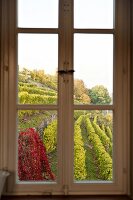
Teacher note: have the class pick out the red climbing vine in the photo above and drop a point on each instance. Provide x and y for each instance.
(32, 158)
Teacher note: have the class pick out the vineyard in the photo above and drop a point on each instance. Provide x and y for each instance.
(92, 151)
(92, 134)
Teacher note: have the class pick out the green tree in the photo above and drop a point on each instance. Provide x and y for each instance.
(99, 95)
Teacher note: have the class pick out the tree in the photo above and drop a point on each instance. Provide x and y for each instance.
(80, 91)
(99, 95)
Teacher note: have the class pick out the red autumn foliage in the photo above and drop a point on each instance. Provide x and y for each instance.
(32, 159)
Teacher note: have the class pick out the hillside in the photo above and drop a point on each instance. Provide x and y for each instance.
(92, 129)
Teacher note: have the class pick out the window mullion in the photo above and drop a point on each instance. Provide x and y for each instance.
(65, 86)
(63, 98)
(37, 30)
(68, 12)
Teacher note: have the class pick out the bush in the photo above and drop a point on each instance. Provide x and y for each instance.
(26, 98)
(103, 158)
(79, 154)
(32, 159)
(36, 90)
(103, 137)
(109, 132)
(50, 136)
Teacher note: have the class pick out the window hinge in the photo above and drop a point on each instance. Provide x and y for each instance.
(124, 170)
(65, 189)
(6, 68)
(47, 193)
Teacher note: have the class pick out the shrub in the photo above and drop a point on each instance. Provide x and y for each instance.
(79, 154)
(103, 158)
(109, 132)
(36, 90)
(32, 159)
(50, 136)
(25, 97)
(103, 137)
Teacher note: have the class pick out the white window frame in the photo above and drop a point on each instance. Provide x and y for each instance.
(121, 107)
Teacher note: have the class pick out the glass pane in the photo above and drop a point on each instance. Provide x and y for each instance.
(38, 64)
(37, 145)
(93, 14)
(93, 64)
(93, 146)
(38, 13)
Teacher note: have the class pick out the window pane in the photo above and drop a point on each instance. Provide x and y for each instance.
(37, 145)
(93, 146)
(38, 63)
(38, 13)
(93, 13)
(93, 63)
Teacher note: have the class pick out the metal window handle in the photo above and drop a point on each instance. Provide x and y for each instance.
(62, 71)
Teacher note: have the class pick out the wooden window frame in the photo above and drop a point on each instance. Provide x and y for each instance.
(121, 98)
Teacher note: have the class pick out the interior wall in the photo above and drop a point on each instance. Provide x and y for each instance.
(131, 92)
(0, 79)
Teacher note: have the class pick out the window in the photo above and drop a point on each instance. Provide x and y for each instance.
(65, 98)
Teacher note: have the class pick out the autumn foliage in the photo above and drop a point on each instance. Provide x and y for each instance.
(32, 159)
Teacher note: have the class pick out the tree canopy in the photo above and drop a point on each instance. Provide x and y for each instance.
(80, 91)
(99, 95)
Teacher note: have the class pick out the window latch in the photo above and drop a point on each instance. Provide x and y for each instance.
(62, 71)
